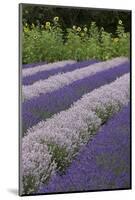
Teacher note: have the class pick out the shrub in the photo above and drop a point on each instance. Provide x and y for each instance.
(50, 43)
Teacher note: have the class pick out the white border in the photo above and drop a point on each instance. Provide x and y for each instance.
(9, 98)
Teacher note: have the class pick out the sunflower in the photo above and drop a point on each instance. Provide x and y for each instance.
(78, 29)
(56, 19)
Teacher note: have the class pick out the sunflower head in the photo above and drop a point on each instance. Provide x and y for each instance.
(78, 29)
(56, 19)
(48, 24)
(120, 22)
(85, 29)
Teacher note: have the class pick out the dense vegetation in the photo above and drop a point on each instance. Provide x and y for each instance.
(55, 33)
(69, 16)
(50, 43)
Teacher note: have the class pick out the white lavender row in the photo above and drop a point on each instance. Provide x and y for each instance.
(95, 166)
(67, 131)
(46, 105)
(37, 165)
(42, 75)
(45, 67)
(102, 101)
(60, 80)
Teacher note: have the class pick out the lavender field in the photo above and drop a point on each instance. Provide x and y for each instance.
(75, 126)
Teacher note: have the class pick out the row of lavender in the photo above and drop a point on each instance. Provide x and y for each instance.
(104, 163)
(62, 79)
(44, 106)
(52, 143)
(40, 73)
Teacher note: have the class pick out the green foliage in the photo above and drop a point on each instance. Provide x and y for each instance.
(50, 43)
(72, 15)
(105, 113)
(59, 155)
(29, 184)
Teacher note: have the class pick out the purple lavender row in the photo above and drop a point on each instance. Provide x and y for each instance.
(44, 106)
(60, 80)
(104, 163)
(28, 80)
(24, 66)
(33, 70)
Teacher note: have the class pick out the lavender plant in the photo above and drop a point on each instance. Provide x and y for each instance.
(58, 81)
(46, 67)
(47, 71)
(44, 106)
(37, 166)
(70, 129)
(104, 163)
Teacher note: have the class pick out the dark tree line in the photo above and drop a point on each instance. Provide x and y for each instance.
(70, 16)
